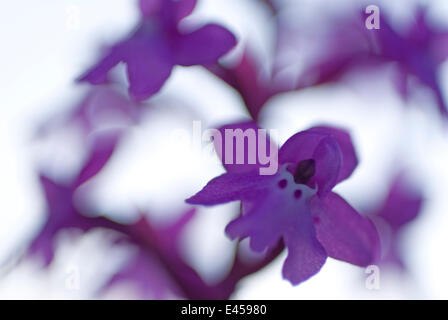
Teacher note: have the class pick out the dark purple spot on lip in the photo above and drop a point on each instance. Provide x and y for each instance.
(282, 184)
(297, 194)
(305, 171)
(316, 219)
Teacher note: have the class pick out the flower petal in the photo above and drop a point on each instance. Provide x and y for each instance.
(305, 254)
(170, 12)
(343, 232)
(102, 149)
(149, 275)
(183, 8)
(403, 204)
(279, 216)
(441, 43)
(260, 223)
(98, 74)
(250, 138)
(149, 8)
(60, 210)
(204, 46)
(230, 187)
(349, 159)
(245, 78)
(149, 65)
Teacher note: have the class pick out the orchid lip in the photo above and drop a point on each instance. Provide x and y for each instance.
(287, 182)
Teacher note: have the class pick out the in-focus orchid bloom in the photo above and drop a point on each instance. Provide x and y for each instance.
(402, 205)
(296, 206)
(157, 45)
(416, 52)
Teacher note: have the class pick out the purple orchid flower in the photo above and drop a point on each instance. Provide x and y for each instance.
(149, 275)
(103, 107)
(245, 78)
(296, 206)
(417, 52)
(159, 267)
(153, 268)
(254, 86)
(160, 270)
(402, 205)
(157, 45)
(62, 212)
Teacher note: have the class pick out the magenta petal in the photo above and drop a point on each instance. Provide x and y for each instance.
(98, 74)
(261, 223)
(245, 78)
(328, 163)
(323, 149)
(60, 211)
(343, 232)
(170, 11)
(99, 103)
(183, 8)
(42, 246)
(274, 217)
(148, 269)
(306, 256)
(349, 159)
(156, 45)
(148, 60)
(204, 46)
(230, 187)
(441, 43)
(149, 274)
(149, 8)
(149, 65)
(168, 237)
(102, 149)
(403, 204)
(165, 243)
(252, 131)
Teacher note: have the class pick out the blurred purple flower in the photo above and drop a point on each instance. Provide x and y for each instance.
(103, 107)
(149, 276)
(402, 205)
(62, 212)
(157, 45)
(296, 205)
(416, 52)
(158, 268)
(245, 77)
